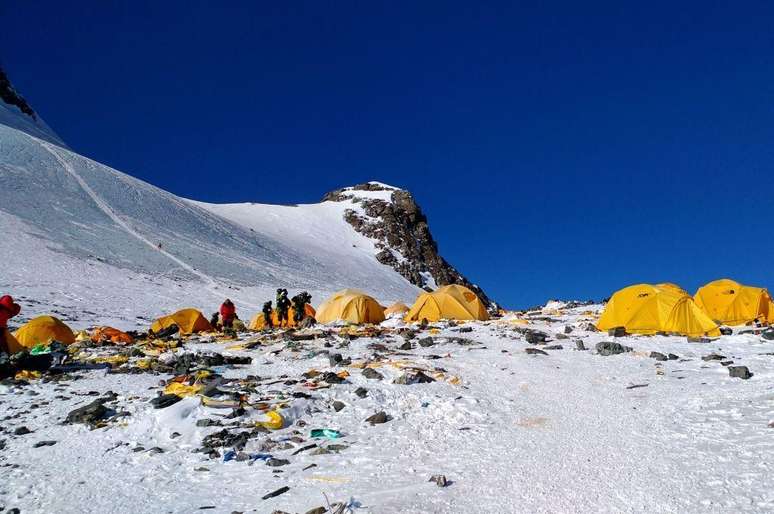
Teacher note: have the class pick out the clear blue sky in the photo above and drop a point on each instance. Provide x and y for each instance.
(559, 149)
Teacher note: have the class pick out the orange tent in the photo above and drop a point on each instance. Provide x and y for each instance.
(110, 335)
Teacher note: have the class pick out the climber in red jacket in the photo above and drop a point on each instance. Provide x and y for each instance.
(8, 309)
(227, 313)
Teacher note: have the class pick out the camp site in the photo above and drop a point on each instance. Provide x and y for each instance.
(386, 257)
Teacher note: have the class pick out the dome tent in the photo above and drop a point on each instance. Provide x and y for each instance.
(44, 330)
(352, 306)
(649, 309)
(397, 308)
(448, 302)
(187, 320)
(729, 302)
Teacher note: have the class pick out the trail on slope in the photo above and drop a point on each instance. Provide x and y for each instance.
(209, 282)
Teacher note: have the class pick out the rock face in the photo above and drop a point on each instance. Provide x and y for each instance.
(400, 231)
(9, 95)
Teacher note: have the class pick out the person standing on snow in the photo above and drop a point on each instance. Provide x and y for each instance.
(8, 309)
(283, 304)
(267, 315)
(299, 306)
(227, 314)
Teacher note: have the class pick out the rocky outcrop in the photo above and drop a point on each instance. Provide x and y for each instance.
(9, 95)
(400, 231)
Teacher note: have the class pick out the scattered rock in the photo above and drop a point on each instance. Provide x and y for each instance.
(164, 401)
(413, 378)
(580, 346)
(277, 462)
(617, 332)
(22, 431)
(426, 341)
(331, 378)
(279, 491)
(535, 337)
(334, 359)
(534, 351)
(672, 357)
(88, 414)
(739, 372)
(554, 347)
(726, 363)
(40, 444)
(318, 510)
(405, 346)
(372, 374)
(726, 331)
(362, 392)
(378, 418)
(713, 357)
(658, 356)
(337, 405)
(568, 329)
(609, 348)
(440, 480)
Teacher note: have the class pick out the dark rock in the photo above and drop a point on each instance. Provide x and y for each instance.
(372, 374)
(207, 422)
(672, 357)
(405, 346)
(40, 444)
(337, 405)
(568, 329)
(713, 357)
(88, 414)
(768, 334)
(224, 438)
(332, 378)
(561, 336)
(279, 491)
(698, 339)
(164, 401)
(413, 378)
(535, 337)
(726, 363)
(534, 351)
(440, 480)
(609, 348)
(580, 346)
(617, 332)
(554, 347)
(658, 356)
(320, 451)
(156, 450)
(277, 462)
(590, 327)
(318, 510)
(465, 330)
(426, 341)
(362, 392)
(378, 418)
(334, 359)
(336, 447)
(726, 331)
(739, 372)
(22, 431)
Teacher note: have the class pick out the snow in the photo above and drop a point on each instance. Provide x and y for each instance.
(144, 251)
(563, 432)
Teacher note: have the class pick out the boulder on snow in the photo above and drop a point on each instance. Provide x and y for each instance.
(739, 372)
(658, 356)
(88, 414)
(609, 348)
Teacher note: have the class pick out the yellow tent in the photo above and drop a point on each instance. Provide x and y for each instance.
(396, 308)
(258, 322)
(43, 330)
(352, 306)
(732, 303)
(10, 342)
(648, 309)
(448, 302)
(674, 287)
(188, 320)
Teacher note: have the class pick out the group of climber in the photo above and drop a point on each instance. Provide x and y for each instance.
(283, 306)
(227, 316)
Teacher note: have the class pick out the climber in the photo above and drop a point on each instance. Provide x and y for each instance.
(299, 306)
(8, 309)
(227, 313)
(283, 304)
(267, 315)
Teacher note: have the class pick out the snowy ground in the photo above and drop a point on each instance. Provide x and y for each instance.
(563, 432)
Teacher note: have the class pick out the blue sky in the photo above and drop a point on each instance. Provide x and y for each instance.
(559, 149)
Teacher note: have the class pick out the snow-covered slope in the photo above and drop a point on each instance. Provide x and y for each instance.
(88, 239)
(64, 211)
